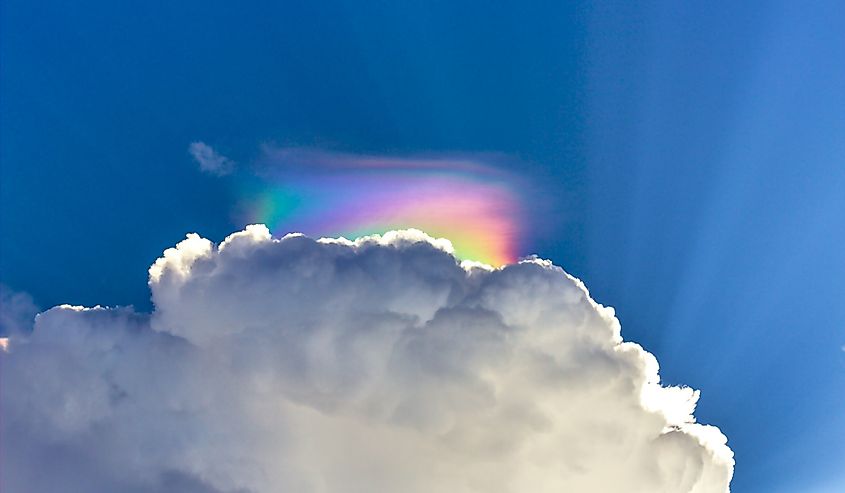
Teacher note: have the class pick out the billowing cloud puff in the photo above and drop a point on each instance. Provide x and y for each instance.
(375, 365)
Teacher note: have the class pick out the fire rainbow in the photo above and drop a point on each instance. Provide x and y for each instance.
(474, 205)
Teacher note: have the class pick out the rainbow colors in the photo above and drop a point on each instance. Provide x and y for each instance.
(474, 205)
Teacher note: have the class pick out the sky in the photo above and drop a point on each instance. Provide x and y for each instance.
(685, 162)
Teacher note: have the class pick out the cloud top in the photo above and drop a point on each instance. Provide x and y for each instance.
(209, 160)
(381, 364)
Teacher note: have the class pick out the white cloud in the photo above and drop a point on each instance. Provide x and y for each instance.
(376, 365)
(210, 161)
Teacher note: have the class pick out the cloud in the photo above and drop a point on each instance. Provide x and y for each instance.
(210, 161)
(477, 200)
(17, 311)
(375, 365)
(299, 160)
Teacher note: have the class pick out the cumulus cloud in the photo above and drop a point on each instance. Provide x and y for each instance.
(375, 365)
(210, 161)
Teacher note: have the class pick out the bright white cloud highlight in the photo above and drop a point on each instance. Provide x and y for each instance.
(332, 366)
(210, 161)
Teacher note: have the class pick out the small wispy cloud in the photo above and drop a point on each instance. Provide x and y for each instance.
(17, 312)
(210, 161)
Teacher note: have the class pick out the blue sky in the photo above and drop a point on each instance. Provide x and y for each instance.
(696, 156)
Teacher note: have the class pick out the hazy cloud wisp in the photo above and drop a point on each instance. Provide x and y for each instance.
(210, 161)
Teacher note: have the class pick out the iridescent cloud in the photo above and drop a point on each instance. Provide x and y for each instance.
(467, 199)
